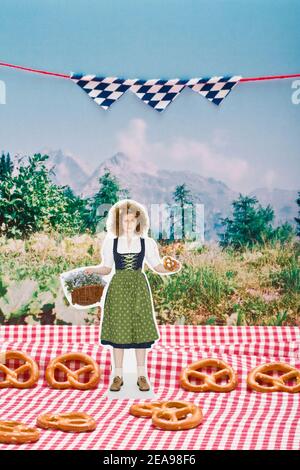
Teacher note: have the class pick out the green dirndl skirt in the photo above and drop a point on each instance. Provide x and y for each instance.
(128, 319)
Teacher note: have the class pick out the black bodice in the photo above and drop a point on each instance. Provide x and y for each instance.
(129, 261)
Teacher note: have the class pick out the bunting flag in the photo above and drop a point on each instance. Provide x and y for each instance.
(103, 90)
(158, 93)
(215, 89)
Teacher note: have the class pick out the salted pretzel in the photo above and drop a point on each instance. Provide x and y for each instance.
(72, 376)
(170, 263)
(15, 432)
(177, 415)
(145, 410)
(11, 376)
(74, 421)
(259, 376)
(209, 381)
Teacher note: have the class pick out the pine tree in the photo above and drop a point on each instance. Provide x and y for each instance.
(109, 189)
(251, 224)
(183, 196)
(6, 166)
(109, 193)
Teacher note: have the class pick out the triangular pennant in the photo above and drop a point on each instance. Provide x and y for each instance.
(215, 89)
(103, 90)
(158, 93)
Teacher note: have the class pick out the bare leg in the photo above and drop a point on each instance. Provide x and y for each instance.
(118, 357)
(118, 360)
(141, 370)
(140, 355)
(118, 370)
(140, 361)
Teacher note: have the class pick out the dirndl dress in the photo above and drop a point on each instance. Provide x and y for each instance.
(128, 319)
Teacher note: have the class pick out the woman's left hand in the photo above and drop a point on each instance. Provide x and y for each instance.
(171, 264)
(177, 267)
(170, 267)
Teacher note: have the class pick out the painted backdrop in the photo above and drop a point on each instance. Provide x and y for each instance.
(64, 160)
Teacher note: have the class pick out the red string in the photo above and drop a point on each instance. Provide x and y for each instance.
(27, 69)
(270, 77)
(62, 75)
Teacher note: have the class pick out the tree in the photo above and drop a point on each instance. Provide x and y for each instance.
(283, 233)
(183, 196)
(77, 207)
(6, 166)
(109, 193)
(251, 224)
(297, 219)
(30, 202)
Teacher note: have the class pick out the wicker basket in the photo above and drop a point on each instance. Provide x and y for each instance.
(87, 295)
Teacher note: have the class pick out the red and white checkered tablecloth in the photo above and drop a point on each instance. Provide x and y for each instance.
(241, 419)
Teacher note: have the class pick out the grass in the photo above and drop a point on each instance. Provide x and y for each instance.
(260, 286)
(190, 289)
(288, 278)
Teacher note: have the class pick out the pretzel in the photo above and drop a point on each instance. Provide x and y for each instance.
(11, 375)
(145, 410)
(277, 384)
(170, 263)
(15, 432)
(72, 380)
(177, 415)
(72, 422)
(210, 381)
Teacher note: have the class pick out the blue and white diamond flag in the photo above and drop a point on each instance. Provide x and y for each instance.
(158, 93)
(103, 90)
(215, 89)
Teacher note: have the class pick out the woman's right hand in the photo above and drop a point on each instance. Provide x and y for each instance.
(90, 271)
(102, 270)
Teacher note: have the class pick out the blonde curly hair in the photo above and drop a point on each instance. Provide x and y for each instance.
(114, 224)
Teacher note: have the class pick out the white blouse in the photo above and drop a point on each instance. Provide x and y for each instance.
(152, 257)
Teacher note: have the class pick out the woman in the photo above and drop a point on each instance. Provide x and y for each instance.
(128, 320)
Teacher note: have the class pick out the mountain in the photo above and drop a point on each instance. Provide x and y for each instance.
(66, 170)
(283, 202)
(151, 185)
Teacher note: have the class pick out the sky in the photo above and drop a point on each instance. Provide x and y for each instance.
(251, 140)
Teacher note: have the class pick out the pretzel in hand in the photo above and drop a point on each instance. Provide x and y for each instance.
(15, 432)
(145, 410)
(177, 415)
(170, 263)
(72, 376)
(69, 422)
(259, 379)
(12, 376)
(209, 382)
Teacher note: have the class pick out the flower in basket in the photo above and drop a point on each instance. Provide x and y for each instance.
(85, 289)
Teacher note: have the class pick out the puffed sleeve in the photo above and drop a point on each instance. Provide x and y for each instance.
(152, 257)
(107, 255)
